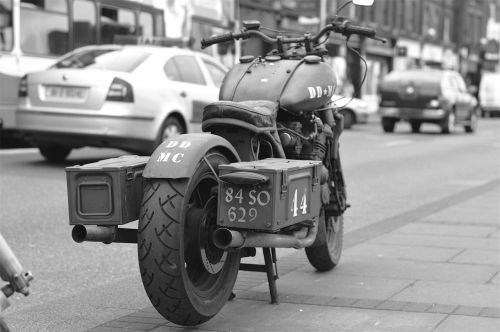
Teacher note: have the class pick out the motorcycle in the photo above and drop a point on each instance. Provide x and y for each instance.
(266, 173)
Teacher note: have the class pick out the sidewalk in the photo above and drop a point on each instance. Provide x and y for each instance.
(431, 272)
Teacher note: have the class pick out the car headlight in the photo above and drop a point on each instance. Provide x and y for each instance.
(434, 103)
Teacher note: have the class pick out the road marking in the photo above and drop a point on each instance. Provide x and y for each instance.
(396, 143)
(18, 151)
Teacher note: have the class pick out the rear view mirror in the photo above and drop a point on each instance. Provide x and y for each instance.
(363, 2)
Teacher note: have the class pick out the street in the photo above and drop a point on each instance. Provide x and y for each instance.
(422, 229)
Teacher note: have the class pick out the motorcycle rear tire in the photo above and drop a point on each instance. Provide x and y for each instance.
(325, 256)
(187, 278)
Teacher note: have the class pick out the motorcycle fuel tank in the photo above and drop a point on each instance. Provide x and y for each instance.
(298, 85)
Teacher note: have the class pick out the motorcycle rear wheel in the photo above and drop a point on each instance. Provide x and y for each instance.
(187, 278)
(325, 256)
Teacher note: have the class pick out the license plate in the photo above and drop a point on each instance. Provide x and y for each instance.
(245, 206)
(63, 93)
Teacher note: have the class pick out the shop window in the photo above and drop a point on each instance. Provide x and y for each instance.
(146, 24)
(50, 5)
(159, 25)
(84, 23)
(116, 21)
(6, 33)
(44, 27)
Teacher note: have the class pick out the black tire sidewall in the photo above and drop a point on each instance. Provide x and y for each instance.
(188, 308)
(221, 297)
(54, 153)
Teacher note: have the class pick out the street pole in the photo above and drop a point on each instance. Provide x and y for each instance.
(237, 27)
(322, 13)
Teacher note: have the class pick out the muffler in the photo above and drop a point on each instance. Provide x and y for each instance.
(104, 234)
(225, 238)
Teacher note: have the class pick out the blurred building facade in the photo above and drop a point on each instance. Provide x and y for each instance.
(463, 35)
(454, 34)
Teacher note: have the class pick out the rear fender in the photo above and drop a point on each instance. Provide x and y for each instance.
(177, 157)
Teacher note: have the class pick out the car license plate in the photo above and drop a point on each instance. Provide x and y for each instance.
(245, 206)
(63, 93)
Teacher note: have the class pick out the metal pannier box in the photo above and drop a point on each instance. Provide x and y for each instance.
(107, 192)
(268, 194)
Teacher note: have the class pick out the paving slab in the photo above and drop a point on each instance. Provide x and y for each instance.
(480, 210)
(244, 315)
(412, 253)
(415, 270)
(439, 241)
(446, 229)
(83, 310)
(468, 324)
(495, 234)
(335, 284)
(476, 256)
(451, 293)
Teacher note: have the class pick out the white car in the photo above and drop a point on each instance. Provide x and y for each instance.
(354, 110)
(489, 94)
(127, 97)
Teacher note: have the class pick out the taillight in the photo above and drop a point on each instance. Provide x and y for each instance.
(23, 86)
(120, 90)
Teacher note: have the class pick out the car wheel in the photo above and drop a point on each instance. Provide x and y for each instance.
(54, 153)
(170, 128)
(349, 118)
(448, 125)
(415, 126)
(388, 125)
(472, 126)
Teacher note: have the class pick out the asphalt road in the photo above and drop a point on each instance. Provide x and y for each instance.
(387, 175)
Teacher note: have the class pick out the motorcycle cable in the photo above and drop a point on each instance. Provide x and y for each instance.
(358, 88)
(343, 6)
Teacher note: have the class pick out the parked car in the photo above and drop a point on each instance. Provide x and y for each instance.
(434, 96)
(127, 97)
(354, 110)
(489, 94)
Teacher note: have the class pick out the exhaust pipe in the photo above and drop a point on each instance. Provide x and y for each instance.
(225, 238)
(104, 234)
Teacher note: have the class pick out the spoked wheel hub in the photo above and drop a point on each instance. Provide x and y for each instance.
(213, 258)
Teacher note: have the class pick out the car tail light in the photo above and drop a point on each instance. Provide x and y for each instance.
(120, 90)
(23, 86)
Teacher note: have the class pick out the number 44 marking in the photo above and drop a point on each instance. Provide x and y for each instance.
(303, 203)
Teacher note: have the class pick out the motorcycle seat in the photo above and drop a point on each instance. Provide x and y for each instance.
(260, 113)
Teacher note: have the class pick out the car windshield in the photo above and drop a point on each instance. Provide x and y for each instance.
(125, 60)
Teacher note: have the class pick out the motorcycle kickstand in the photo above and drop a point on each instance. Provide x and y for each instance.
(272, 273)
(271, 269)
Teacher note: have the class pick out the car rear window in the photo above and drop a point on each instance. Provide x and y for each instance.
(426, 80)
(124, 60)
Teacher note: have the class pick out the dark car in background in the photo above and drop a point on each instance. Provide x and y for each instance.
(427, 96)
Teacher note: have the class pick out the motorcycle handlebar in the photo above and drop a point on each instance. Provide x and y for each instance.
(341, 26)
(205, 42)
